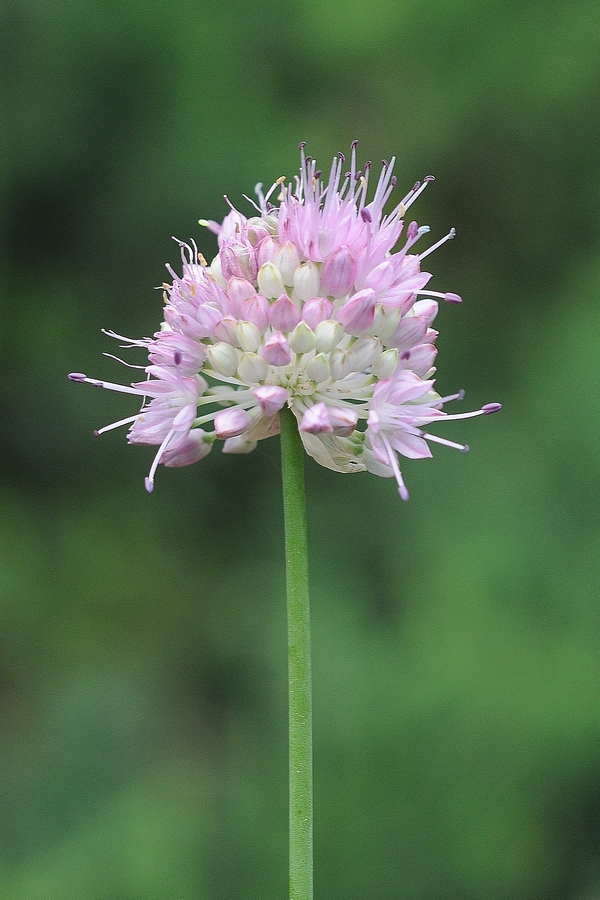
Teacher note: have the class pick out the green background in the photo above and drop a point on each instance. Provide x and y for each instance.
(142, 638)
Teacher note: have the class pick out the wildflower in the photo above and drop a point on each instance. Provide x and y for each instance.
(304, 306)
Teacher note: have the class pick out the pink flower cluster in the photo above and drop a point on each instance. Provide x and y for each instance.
(304, 306)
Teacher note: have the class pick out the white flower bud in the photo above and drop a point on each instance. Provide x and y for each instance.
(217, 274)
(253, 368)
(366, 349)
(302, 338)
(318, 369)
(386, 321)
(287, 261)
(386, 364)
(341, 363)
(248, 335)
(328, 335)
(223, 358)
(307, 281)
(270, 282)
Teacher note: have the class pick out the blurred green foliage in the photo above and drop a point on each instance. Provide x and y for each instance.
(142, 639)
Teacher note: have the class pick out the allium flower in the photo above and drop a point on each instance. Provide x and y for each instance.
(305, 306)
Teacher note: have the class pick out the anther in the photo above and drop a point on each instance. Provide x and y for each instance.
(491, 408)
(354, 145)
(365, 216)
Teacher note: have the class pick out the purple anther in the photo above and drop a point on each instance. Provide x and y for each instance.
(452, 298)
(385, 163)
(177, 357)
(405, 355)
(368, 165)
(393, 181)
(412, 232)
(341, 157)
(354, 145)
(491, 408)
(301, 145)
(465, 449)
(77, 376)
(429, 178)
(96, 433)
(149, 485)
(365, 215)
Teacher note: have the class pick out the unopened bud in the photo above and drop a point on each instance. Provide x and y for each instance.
(253, 368)
(328, 335)
(306, 281)
(270, 282)
(302, 338)
(223, 358)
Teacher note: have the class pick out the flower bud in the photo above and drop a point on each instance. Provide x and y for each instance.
(225, 330)
(238, 445)
(343, 420)
(287, 261)
(248, 336)
(266, 251)
(338, 274)
(357, 314)
(302, 338)
(306, 281)
(316, 420)
(276, 350)
(217, 273)
(318, 369)
(252, 368)
(328, 335)
(283, 314)
(341, 363)
(271, 398)
(193, 448)
(256, 310)
(386, 364)
(238, 290)
(364, 351)
(385, 321)
(316, 310)
(223, 358)
(426, 309)
(231, 422)
(270, 282)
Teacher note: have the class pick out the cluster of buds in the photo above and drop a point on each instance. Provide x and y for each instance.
(305, 306)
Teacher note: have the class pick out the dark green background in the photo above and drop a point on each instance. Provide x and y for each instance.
(142, 638)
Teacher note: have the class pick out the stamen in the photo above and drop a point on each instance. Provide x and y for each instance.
(149, 480)
(448, 237)
(448, 297)
(484, 411)
(402, 489)
(98, 431)
(464, 448)
(458, 396)
(417, 191)
(123, 362)
(80, 378)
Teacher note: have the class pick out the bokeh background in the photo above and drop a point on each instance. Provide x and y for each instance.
(142, 638)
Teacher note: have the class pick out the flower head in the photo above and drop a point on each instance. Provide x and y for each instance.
(306, 306)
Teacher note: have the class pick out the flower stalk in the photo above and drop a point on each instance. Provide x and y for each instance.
(299, 665)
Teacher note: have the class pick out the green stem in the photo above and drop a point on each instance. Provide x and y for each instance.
(299, 673)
